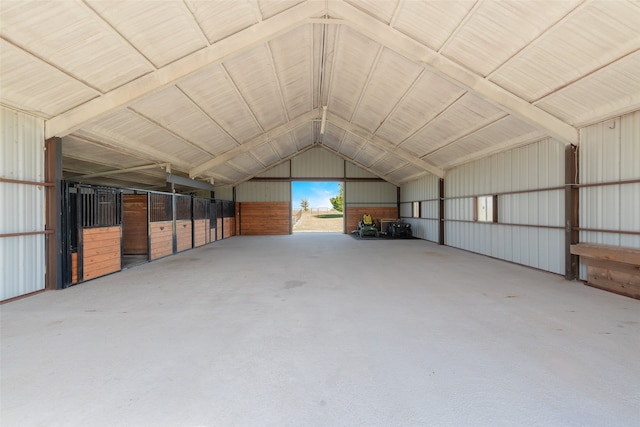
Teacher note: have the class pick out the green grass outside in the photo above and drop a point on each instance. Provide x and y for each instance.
(328, 216)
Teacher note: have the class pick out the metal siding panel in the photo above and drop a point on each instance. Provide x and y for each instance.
(22, 209)
(23, 206)
(630, 146)
(424, 188)
(354, 171)
(371, 193)
(630, 214)
(280, 171)
(263, 192)
(22, 146)
(610, 151)
(224, 192)
(405, 210)
(539, 165)
(630, 169)
(23, 265)
(317, 163)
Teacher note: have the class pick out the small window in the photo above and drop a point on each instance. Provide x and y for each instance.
(486, 209)
(415, 210)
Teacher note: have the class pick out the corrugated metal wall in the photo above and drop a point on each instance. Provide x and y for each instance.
(263, 192)
(353, 171)
(425, 191)
(282, 170)
(224, 192)
(22, 206)
(529, 182)
(315, 163)
(371, 194)
(609, 153)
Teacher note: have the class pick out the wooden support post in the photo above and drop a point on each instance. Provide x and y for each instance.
(53, 175)
(571, 204)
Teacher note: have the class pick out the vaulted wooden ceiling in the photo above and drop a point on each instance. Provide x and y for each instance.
(226, 89)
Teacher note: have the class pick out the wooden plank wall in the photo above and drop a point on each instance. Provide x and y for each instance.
(200, 232)
(134, 224)
(161, 239)
(354, 214)
(611, 268)
(264, 218)
(101, 251)
(74, 268)
(229, 225)
(183, 235)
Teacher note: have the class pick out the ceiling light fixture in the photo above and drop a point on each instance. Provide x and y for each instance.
(324, 120)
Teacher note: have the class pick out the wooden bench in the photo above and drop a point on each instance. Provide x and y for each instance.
(612, 268)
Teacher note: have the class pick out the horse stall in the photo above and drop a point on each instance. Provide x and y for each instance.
(225, 219)
(135, 241)
(201, 227)
(93, 238)
(184, 229)
(160, 225)
(213, 221)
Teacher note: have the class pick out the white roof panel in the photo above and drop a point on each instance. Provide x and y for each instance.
(145, 23)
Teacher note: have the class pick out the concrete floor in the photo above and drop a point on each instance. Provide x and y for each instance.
(322, 330)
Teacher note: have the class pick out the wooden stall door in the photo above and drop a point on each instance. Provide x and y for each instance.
(134, 223)
(161, 239)
(101, 251)
(183, 235)
(200, 232)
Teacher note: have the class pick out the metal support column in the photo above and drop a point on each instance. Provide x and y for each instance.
(53, 176)
(571, 204)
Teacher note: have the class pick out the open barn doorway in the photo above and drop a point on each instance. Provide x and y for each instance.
(317, 206)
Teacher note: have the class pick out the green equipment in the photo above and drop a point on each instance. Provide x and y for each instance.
(367, 227)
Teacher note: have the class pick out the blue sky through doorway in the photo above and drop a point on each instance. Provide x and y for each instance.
(318, 193)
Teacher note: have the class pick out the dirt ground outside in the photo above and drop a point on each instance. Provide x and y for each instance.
(323, 222)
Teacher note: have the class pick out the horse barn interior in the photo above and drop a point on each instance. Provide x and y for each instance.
(149, 272)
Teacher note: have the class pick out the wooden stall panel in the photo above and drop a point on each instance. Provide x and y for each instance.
(183, 235)
(101, 251)
(161, 239)
(264, 218)
(74, 268)
(354, 214)
(200, 232)
(229, 227)
(219, 235)
(134, 223)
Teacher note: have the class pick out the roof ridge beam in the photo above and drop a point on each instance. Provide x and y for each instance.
(154, 81)
(452, 71)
